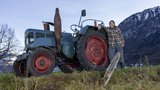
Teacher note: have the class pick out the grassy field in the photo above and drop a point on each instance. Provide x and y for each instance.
(145, 78)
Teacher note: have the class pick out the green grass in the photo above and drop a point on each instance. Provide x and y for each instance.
(145, 78)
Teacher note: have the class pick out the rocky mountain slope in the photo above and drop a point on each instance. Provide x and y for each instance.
(142, 35)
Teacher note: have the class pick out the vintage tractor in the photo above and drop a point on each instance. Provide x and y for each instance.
(85, 49)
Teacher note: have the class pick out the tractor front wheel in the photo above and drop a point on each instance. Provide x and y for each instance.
(41, 62)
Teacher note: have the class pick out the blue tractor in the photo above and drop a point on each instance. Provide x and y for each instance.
(85, 49)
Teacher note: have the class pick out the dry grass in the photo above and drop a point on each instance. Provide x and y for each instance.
(146, 78)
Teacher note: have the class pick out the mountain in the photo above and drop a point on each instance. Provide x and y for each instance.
(142, 36)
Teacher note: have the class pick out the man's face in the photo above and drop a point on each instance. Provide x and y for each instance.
(111, 24)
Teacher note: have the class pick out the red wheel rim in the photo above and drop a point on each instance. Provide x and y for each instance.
(96, 50)
(42, 63)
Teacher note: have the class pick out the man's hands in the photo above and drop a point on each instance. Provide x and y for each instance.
(99, 26)
(122, 45)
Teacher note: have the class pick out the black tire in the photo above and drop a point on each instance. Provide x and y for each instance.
(89, 50)
(19, 69)
(41, 62)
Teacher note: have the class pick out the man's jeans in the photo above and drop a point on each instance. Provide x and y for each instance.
(112, 51)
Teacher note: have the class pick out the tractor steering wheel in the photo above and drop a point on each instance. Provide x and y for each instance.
(75, 28)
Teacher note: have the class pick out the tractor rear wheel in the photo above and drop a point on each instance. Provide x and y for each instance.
(92, 50)
(41, 62)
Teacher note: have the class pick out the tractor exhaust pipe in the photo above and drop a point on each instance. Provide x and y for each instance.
(46, 26)
(58, 29)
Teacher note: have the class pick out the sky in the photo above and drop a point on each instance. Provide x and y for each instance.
(23, 14)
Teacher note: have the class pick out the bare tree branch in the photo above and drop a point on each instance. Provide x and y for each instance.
(8, 42)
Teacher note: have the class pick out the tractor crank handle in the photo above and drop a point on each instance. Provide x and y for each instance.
(111, 68)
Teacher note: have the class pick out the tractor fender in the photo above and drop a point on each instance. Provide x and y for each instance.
(86, 28)
(52, 49)
(49, 48)
(22, 57)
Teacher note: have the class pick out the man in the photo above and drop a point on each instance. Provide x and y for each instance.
(115, 41)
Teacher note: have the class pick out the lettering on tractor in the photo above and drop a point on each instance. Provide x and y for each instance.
(85, 49)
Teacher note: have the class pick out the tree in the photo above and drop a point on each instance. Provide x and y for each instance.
(8, 42)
